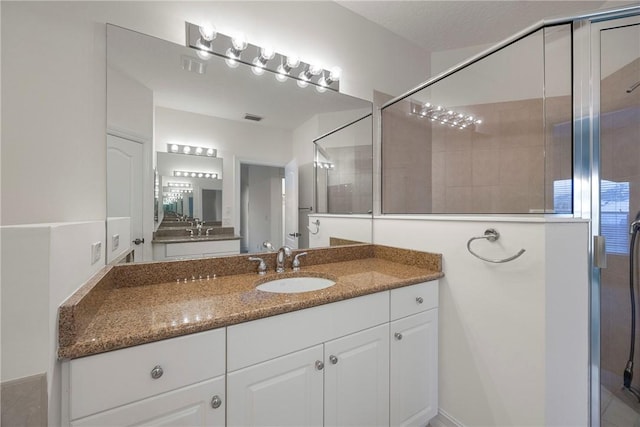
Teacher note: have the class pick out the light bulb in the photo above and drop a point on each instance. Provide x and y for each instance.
(315, 69)
(232, 59)
(177, 173)
(281, 76)
(210, 152)
(321, 89)
(174, 148)
(186, 149)
(239, 42)
(193, 174)
(258, 67)
(267, 53)
(199, 151)
(200, 175)
(293, 61)
(335, 74)
(203, 54)
(208, 32)
(207, 175)
(304, 80)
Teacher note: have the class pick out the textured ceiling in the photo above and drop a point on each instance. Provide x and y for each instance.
(443, 25)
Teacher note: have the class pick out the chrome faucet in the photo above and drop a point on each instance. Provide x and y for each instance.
(199, 228)
(296, 261)
(208, 230)
(283, 253)
(190, 231)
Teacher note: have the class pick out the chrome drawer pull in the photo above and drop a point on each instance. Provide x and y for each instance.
(398, 336)
(419, 300)
(156, 372)
(216, 402)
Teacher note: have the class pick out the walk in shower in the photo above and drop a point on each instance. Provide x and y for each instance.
(545, 123)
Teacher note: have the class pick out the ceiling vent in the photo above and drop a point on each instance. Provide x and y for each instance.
(193, 65)
(252, 117)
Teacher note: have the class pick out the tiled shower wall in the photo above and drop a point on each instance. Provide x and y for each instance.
(620, 162)
(497, 167)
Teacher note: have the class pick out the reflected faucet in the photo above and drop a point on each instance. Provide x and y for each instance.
(283, 253)
(199, 228)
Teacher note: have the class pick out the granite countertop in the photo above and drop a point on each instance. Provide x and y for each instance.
(134, 304)
(187, 238)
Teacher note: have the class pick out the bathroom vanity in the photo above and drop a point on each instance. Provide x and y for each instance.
(219, 352)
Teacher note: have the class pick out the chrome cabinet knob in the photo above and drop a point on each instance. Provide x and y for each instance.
(319, 365)
(398, 336)
(419, 300)
(156, 372)
(333, 359)
(216, 402)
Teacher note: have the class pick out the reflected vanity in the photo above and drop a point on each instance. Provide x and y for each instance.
(205, 159)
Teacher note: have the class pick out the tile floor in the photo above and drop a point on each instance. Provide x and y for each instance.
(617, 413)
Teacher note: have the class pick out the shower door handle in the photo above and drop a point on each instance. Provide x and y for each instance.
(600, 251)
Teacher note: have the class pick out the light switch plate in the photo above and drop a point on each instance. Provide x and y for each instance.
(96, 252)
(115, 242)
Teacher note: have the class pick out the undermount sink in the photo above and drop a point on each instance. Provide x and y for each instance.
(294, 285)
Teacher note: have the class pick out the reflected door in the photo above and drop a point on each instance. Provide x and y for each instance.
(124, 186)
(291, 231)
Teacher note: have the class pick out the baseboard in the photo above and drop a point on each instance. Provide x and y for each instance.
(443, 419)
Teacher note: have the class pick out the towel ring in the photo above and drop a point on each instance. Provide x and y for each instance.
(317, 224)
(491, 234)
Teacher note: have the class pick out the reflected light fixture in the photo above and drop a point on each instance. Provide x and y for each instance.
(191, 149)
(445, 116)
(260, 62)
(194, 174)
(237, 49)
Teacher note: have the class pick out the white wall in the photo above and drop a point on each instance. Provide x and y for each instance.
(502, 325)
(41, 266)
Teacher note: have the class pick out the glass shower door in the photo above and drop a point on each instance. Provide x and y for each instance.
(619, 206)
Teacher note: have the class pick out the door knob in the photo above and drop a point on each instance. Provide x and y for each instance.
(138, 241)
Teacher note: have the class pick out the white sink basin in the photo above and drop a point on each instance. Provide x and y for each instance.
(294, 285)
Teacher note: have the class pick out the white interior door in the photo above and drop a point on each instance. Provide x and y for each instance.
(125, 164)
(291, 232)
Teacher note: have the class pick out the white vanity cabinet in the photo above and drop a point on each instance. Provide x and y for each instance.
(195, 249)
(414, 355)
(173, 382)
(327, 365)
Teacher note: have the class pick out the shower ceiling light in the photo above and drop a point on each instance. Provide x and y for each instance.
(192, 150)
(443, 115)
(237, 49)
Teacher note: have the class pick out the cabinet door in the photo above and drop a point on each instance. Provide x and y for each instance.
(414, 369)
(357, 379)
(286, 391)
(188, 406)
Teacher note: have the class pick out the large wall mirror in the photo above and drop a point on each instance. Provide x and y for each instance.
(202, 154)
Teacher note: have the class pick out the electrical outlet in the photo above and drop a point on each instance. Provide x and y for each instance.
(115, 242)
(96, 252)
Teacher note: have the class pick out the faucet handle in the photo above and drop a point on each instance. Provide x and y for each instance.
(296, 261)
(262, 267)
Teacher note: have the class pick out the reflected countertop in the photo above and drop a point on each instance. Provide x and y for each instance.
(132, 304)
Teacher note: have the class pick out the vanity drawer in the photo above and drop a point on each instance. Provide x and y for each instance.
(200, 248)
(413, 299)
(124, 376)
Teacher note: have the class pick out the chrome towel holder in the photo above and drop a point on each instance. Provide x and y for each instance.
(491, 234)
(317, 224)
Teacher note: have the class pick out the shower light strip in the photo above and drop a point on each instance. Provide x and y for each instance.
(440, 114)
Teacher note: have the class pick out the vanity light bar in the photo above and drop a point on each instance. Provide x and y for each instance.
(192, 174)
(192, 149)
(178, 184)
(180, 190)
(237, 50)
(444, 115)
(324, 165)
